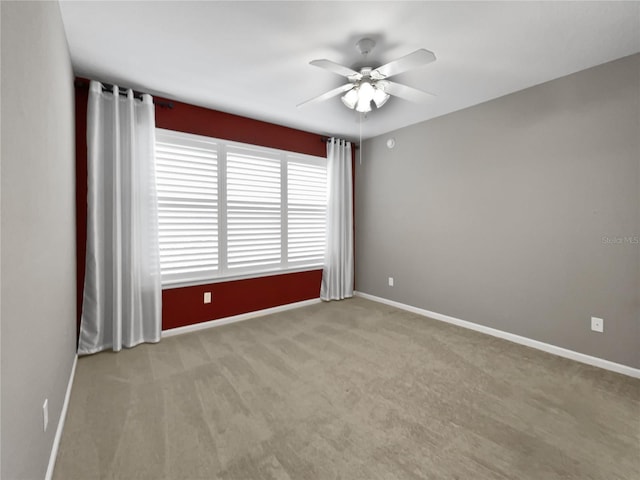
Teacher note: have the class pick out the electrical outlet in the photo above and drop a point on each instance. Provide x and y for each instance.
(207, 297)
(597, 324)
(391, 281)
(45, 414)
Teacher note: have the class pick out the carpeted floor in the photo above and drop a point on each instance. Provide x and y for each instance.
(347, 390)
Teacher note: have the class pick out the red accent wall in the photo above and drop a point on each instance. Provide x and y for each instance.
(82, 98)
(184, 306)
(202, 121)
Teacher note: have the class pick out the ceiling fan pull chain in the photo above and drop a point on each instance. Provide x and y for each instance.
(361, 138)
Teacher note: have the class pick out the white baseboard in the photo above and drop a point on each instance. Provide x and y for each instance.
(545, 347)
(61, 420)
(237, 318)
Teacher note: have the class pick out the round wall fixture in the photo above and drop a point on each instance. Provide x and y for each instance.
(391, 143)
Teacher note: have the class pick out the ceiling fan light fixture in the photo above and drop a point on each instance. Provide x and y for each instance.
(363, 106)
(380, 97)
(365, 95)
(350, 98)
(366, 91)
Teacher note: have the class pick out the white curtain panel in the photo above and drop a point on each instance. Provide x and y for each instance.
(122, 298)
(337, 273)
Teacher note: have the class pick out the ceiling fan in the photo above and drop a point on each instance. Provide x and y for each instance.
(372, 84)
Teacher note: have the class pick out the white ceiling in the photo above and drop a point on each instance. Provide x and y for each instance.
(252, 58)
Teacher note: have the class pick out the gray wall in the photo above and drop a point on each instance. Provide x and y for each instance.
(496, 214)
(37, 232)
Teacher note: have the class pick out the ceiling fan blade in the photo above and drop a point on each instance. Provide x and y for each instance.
(329, 94)
(403, 91)
(402, 64)
(337, 68)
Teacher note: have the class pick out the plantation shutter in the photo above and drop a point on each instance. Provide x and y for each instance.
(187, 187)
(307, 210)
(254, 208)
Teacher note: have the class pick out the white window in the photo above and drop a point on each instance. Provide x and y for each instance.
(231, 210)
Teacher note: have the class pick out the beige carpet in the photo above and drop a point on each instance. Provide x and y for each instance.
(347, 390)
